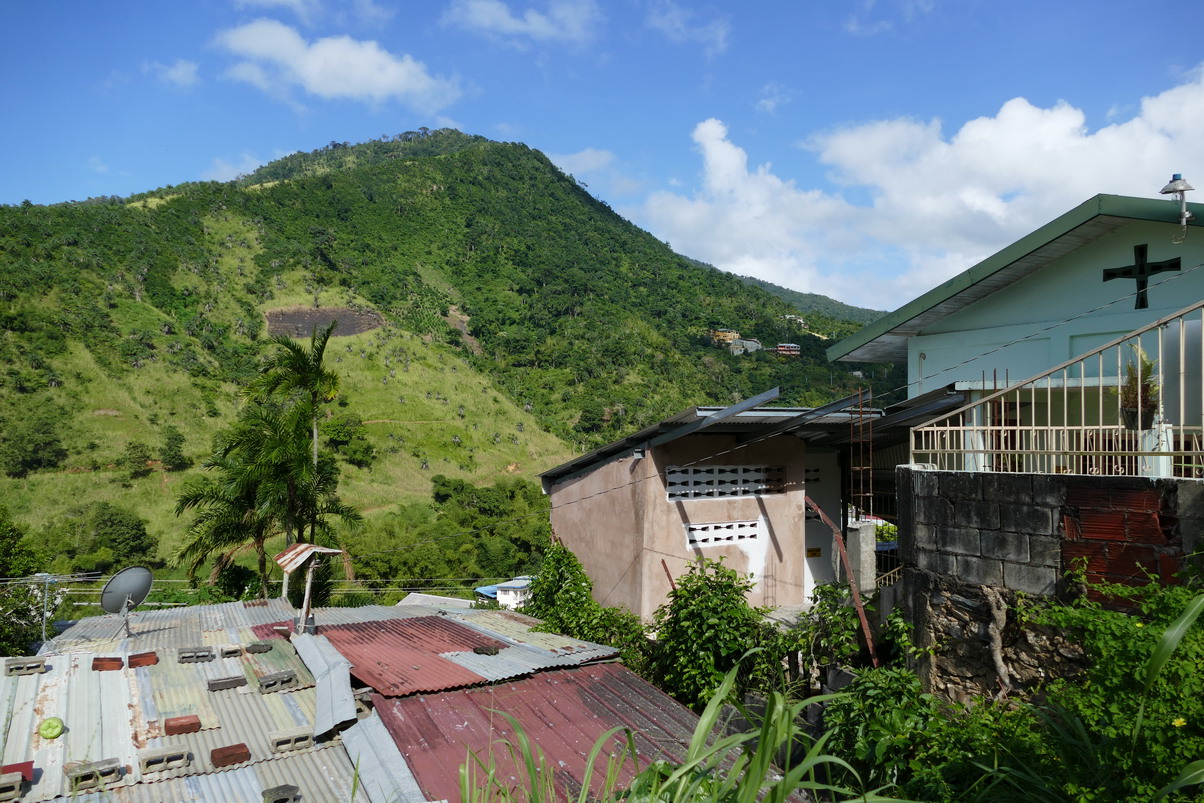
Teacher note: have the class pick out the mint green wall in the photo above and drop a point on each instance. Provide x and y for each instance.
(1063, 289)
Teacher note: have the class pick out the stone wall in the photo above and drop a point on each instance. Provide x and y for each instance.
(970, 541)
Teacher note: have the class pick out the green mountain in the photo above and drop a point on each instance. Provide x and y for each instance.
(496, 318)
(815, 304)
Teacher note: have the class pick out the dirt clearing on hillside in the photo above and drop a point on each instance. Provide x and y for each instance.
(302, 321)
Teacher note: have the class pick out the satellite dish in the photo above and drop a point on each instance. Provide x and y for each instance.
(125, 591)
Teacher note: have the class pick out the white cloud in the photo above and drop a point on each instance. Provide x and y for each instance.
(97, 165)
(221, 170)
(772, 96)
(679, 25)
(182, 73)
(585, 161)
(937, 203)
(564, 20)
(306, 10)
(863, 23)
(278, 58)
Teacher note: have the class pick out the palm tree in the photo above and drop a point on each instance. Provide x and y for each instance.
(230, 517)
(293, 368)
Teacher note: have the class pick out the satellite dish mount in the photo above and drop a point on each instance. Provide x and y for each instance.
(125, 591)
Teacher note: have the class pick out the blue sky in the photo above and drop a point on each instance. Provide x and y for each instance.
(865, 150)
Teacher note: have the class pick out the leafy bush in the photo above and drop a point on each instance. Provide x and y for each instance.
(705, 628)
(30, 441)
(99, 537)
(829, 632)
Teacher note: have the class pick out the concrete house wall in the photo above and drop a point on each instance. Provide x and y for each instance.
(621, 524)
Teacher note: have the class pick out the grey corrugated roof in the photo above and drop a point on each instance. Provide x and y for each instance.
(323, 775)
(332, 674)
(384, 775)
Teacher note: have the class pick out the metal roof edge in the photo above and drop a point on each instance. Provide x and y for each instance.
(1148, 209)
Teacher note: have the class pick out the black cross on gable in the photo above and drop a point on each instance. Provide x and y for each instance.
(1141, 271)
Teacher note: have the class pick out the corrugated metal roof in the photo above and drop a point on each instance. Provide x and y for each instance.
(323, 775)
(117, 714)
(563, 712)
(332, 674)
(383, 772)
(403, 656)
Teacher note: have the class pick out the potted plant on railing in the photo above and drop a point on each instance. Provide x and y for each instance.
(1139, 392)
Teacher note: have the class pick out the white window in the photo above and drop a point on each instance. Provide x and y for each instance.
(721, 482)
(723, 532)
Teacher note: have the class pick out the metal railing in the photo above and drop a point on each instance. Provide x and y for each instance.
(1099, 413)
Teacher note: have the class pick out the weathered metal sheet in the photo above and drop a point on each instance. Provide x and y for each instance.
(383, 772)
(295, 556)
(510, 662)
(516, 629)
(403, 656)
(563, 712)
(332, 676)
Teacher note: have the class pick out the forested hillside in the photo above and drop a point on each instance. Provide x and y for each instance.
(521, 319)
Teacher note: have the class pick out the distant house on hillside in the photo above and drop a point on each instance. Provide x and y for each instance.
(744, 345)
(723, 336)
(706, 483)
(788, 349)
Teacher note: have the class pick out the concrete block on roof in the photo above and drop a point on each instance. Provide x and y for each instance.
(163, 759)
(277, 681)
(284, 793)
(93, 774)
(107, 663)
(10, 786)
(194, 655)
(293, 739)
(32, 665)
(232, 682)
(257, 647)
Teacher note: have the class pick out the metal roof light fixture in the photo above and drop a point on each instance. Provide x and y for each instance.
(1180, 188)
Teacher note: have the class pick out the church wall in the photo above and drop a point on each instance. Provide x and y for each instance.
(1068, 287)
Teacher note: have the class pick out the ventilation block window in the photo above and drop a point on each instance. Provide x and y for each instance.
(722, 482)
(722, 532)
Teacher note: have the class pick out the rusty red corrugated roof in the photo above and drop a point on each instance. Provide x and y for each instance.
(402, 656)
(563, 712)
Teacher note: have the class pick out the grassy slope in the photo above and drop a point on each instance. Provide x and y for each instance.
(107, 414)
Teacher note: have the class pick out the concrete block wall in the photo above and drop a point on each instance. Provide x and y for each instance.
(966, 537)
(1000, 530)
